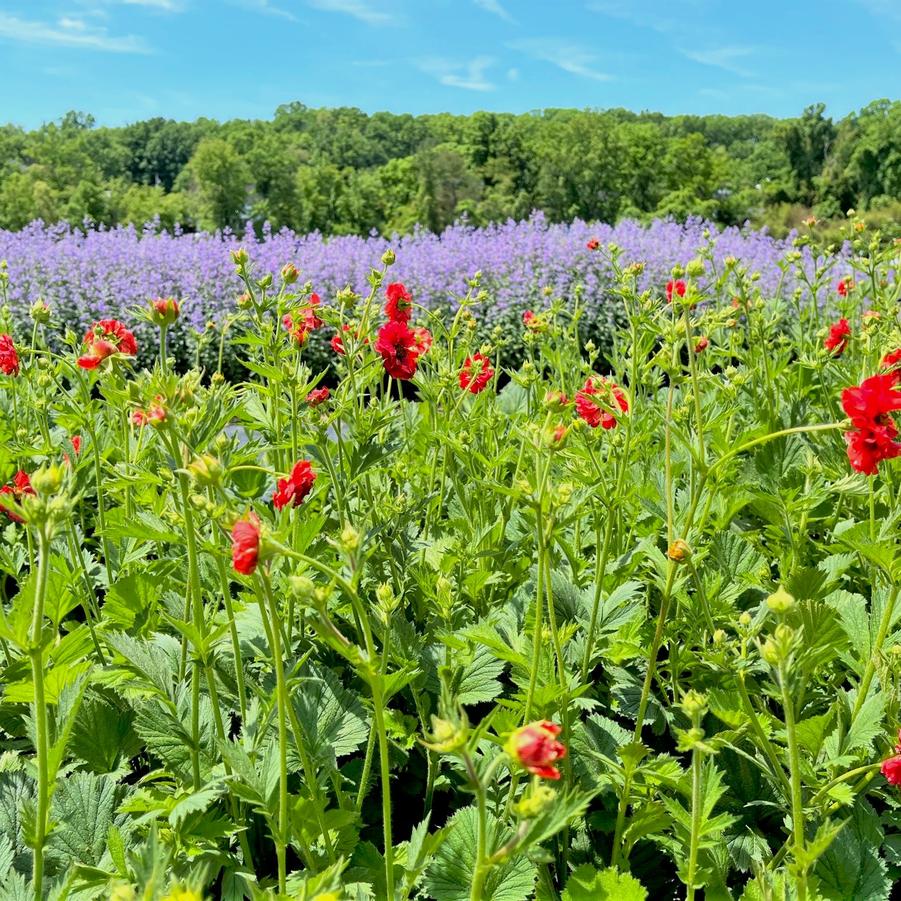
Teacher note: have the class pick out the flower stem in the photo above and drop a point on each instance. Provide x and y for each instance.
(797, 804)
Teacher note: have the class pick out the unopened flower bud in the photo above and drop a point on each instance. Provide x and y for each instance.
(240, 257)
(290, 274)
(303, 588)
(679, 551)
(48, 479)
(780, 601)
(535, 802)
(694, 704)
(695, 268)
(388, 257)
(350, 539)
(40, 312)
(205, 470)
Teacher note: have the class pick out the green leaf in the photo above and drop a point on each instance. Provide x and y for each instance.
(588, 884)
(851, 866)
(84, 805)
(131, 601)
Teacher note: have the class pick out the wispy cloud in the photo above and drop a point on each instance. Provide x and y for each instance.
(726, 58)
(266, 8)
(469, 75)
(568, 56)
(356, 8)
(494, 7)
(68, 32)
(169, 6)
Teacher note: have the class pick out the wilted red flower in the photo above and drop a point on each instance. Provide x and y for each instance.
(674, 286)
(21, 485)
(476, 373)
(399, 349)
(153, 415)
(246, 544)
(399, 307)
(837, 339)
(593, 244)
(892, 360)
(702, 345)
(868, 406)
(164, 310)
(318, 396)
(104, 339)
(301, 322)
(844, 286)
(535, 747)
(591, 411)
(9, 358)
(296, 487)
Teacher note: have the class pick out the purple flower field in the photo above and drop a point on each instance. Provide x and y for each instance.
(85, 275)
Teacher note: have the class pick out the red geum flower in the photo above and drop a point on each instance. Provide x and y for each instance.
(318, 396)
(104, 339)
(21, 485)
(423, 339)
(153, 415)
(535, 747)
(399, 349)
(844, 286)
(9, 358)
(246, 544)
(593, 244)
(301, 322)
(164, 311)
(296, 487)
(76, 444)
(399, 306)
(869, 406)
(533, 322)
(892, 361)
(702, 345)
(837, 339)
(891, 769)
(674, 286)
(592, 412)
(476, 373)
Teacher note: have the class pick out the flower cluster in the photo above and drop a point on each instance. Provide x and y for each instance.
(868, 406)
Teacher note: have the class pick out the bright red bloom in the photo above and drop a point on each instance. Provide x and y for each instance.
(338, 344)
(423, 338)
(246, 544)
(301, 322)
(702, 345)
(21, 485)
(104, 339)
(399, 307)
(9, 358)
(844, 286)
(837, 339)
(76, 444)
(318, 396)
(476, 373)
(592, 412)
(891, 769)
(296, 487)
(868, 406)
(892, 361)
(164, 310)
(399, 349)
(533, 322)
(535, 747)
(676, 286)
(593, 244)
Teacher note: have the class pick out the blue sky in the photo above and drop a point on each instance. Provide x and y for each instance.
(124, 60)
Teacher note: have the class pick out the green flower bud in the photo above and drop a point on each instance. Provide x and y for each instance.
(388, 257)
(780, 601)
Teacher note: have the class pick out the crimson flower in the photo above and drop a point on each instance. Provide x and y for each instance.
(892, 361)
(296, 487)
(702, 345)
(318, 396)
(246, 544)
(593, 244)
(592, 412)
(9, 358)
(891, 768)
(476, 373)
(153, 415)
(104, 339)
(844, 286)
(676, 286)
(869, 406)
(399, 349)
(837, 339)
(76, 444)
(21, 485)
(535, 747)
(399, 307)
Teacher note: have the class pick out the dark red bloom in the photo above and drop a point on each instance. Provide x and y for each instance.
(476, 373)
(702, 345)
(318, 396)
(837, 339)
(21, 485)
(104, 339)
(399, 307)
(246, 544)
(676, 286)
(535, 747)
(399, 349)
(873, 438)
(9, 358)
(592, 412)
(296, 487)
(593, 244)
(844, 286)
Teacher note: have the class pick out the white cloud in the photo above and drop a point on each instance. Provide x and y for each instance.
(726, 58)
(68, 32)
(356, 8)
(266, 8)
(494, 7)
(470, 75)
(169, 6)
(513, 74)
(565, 55)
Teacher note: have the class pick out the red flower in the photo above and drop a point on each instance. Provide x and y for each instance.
(246, 544)
(837, 340)
(21, 485)
(844, 286)
(535, 747)
(318, 396)
(891, 769)
(702, 345)
(868, 406)
(153, 415)
(296, 487)
(593, 244)
(9, 359)
(76, 444)
(399, 307)
(105, 339)
(892, 361)
(338, 344)
(674, 287)
(592, 412)
(301, 322)
(399, 349)
(533, 322)
(423, 339)
(476, 373)
(164, 311)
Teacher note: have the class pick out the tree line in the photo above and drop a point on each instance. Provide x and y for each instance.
(342, 171)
